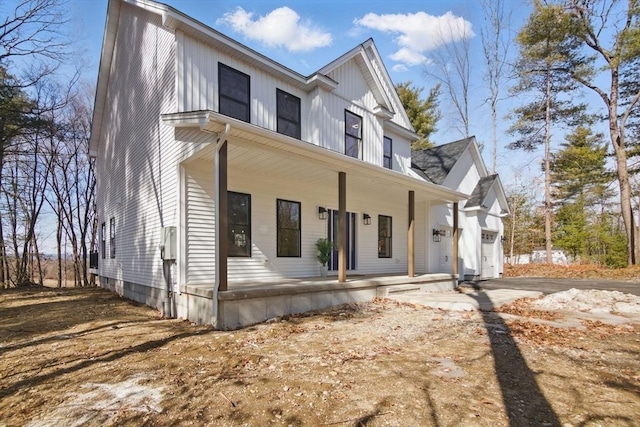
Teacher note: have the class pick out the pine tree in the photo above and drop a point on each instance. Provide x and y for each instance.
(423, 113)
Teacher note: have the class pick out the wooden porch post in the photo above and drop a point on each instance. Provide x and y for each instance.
(411, 235)
(455, 240)
(342, 227)
(221, 218)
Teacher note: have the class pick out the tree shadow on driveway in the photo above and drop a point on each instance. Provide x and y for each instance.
(523, 399)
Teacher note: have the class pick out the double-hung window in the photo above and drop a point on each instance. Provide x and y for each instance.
(386, 152)
(384, 236)
(352, 134)
(103, 240)
(234, 94)
(112, 237)
(288, 114)
(288, 219)
(239, 224)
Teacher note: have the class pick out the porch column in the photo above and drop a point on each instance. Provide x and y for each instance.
(342, 227)
(455, 240)
(221, 216)
(411, 268)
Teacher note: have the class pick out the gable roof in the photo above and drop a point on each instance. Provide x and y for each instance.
(437, 162)
(481, 191)
(366, 54)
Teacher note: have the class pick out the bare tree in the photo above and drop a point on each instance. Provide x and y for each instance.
(495, 35)
(451, 67)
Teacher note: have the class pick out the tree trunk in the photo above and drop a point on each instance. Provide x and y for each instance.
(547, 171)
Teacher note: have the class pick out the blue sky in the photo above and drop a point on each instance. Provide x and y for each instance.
(306, 35)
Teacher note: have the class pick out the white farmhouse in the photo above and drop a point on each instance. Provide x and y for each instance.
(218, 169)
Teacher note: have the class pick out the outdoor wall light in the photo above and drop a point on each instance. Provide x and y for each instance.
(367, 219)
(322, 213)
(436, 235)
(503, 239)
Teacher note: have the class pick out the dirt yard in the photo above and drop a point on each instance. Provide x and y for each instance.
(74, 357)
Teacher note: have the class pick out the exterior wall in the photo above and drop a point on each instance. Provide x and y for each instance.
(136, 155)
(464, 176)
(322, 112)
(400, 151)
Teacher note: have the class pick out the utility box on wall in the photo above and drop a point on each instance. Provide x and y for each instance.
(168, 244)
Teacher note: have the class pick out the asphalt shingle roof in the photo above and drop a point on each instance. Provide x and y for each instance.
(437, 162)
(480, 192)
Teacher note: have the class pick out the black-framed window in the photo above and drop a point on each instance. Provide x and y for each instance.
(103, 240)
(386, 152)
(234, 93)
(352, 134)
(112, 237)
(288, 114)
(288, 219)
(239, 224)
(384, 236)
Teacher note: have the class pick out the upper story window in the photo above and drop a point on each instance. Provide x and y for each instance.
(234, 93)
(239, 224)
(288, 228)
(288, 112)
(352, 134)
(386, 152)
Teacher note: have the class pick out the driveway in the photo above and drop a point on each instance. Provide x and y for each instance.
(551, 285)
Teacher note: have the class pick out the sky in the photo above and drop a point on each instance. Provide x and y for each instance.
(306, 35)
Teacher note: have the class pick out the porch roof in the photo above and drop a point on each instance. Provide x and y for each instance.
(259, 149)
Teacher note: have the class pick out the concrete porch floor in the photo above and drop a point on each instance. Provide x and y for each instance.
(384, 284)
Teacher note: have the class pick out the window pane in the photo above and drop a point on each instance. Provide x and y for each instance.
(288, 218)
(384, 236)
(387, 146)
(288, 106)
(234, 93)
(353, 124)
(286, 127)
(352, 146)
(239, 224)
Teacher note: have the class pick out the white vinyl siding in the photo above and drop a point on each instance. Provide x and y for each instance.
(137, 179)
(200, 233)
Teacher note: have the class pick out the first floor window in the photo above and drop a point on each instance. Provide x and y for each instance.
(288, 228)
(352, 134)
(386, 152)
(239, 224)
(103, 240)
(384, 236)
(112, 237)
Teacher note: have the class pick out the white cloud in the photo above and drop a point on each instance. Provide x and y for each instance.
(280, 27)
(418, 32)
(399, 68)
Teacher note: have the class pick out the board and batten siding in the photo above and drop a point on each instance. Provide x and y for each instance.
(137, 177)
(197, 83)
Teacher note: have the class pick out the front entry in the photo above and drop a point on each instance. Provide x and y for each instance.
(332, 232)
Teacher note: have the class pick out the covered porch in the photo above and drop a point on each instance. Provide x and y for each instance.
(266, 166)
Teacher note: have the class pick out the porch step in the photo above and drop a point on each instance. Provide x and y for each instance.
(385, 291)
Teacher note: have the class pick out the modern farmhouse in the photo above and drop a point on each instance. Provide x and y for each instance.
(219, 169)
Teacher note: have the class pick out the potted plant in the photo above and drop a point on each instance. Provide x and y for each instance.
(324, 247)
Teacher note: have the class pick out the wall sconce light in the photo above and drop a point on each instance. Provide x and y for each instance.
(367, 219)
(322, 213)
(503, 239)
(436, 235)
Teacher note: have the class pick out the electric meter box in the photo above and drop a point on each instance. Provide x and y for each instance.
(168, 243)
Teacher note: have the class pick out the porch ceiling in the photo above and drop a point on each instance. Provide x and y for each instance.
(270, 154)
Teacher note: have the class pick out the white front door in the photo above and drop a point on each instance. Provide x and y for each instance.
(488, 258)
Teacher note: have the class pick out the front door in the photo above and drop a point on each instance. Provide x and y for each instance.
(445, 249)
(332, 232)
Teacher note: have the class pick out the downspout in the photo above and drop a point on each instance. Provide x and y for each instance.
(220, 142)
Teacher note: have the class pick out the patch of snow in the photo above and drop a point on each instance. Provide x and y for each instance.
(590, 301)
(100, 401)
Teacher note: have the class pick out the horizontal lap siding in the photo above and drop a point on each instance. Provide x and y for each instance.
(136, 156)
(200, 222)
